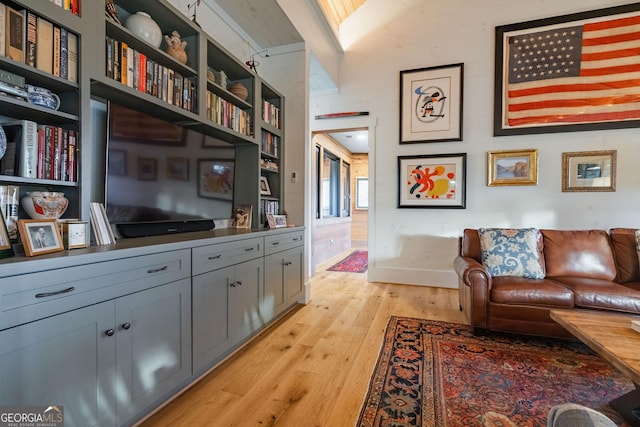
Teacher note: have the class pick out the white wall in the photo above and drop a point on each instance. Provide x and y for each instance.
(417, 246)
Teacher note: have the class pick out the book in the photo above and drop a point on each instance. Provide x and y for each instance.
(142, 73)
(72, 55)
(75, 7)
(124, 66)
(40, 163)
(64, 53)
(9, 202)
(71, 156)
(130, 66)
(25, 136)
(44, 43)
(14, 37)
(3, 24)
(56, 50)
(30, 45)
(109, 57)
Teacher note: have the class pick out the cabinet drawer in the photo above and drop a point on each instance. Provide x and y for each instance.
(282, 241)
(33, 296)
(213, 257)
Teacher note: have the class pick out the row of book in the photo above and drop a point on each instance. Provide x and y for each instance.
(270, 113)
(100, 225)
(36, 41)
(226, 114)
(134, 69)
(269, 207)
(270, 143)
(39, 151)
(71, 5)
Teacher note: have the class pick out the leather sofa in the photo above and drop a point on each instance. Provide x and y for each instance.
(584, 269)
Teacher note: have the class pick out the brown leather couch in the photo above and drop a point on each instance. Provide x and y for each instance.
(585, 269)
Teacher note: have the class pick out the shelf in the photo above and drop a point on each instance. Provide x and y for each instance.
(224, 93)
(19, 109)
(36, 182)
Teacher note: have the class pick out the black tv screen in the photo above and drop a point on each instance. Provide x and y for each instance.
(161, 172)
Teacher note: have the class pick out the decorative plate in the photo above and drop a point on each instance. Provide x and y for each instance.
(3, 142)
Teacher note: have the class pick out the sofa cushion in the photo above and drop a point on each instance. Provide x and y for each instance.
(601, 294)
(579, 253)
(523, 291)
(512, 252)
(624, 243)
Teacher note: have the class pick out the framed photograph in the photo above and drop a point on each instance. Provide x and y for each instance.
(117, 162)
(40, 236)
(242, 216)
(147, 169)
(561, 74)
(432, 181)
(431, 104)
(75, 234)
(215, 178)
(362, 192)
(5, 243)
(512, 167)
(178, 168)
(265, 190)
(589, 171)
(276, 221)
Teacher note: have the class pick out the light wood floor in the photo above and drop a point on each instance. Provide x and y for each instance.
(312, 368)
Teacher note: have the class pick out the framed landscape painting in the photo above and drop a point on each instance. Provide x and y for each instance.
(512, 167)
(432, 181)
(431, 104)
(568, 73)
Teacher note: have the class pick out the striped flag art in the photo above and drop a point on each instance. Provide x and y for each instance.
(577, 73)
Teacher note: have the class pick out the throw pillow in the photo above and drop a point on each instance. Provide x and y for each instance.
(511, 252)
(638, 240)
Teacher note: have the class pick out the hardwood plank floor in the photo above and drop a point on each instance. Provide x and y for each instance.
(312, 367)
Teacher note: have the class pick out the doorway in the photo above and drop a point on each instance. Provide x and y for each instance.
(340, 211)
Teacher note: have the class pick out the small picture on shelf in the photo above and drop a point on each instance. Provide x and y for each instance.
(276, 221)
(265, 190)
(40, 236)
(242, 216)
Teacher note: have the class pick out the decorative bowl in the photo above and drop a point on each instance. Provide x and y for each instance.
(143, 26)
(45, 204)
(239, 90)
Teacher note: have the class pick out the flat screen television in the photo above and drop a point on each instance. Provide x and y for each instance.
(164, 178)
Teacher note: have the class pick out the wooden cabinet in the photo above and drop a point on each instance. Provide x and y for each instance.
(104, 363)
(283, 282)
(226, 297)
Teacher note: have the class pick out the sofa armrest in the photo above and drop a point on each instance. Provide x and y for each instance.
(474, 283)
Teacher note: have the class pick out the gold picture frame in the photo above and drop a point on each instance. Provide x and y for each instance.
(40, 236)
(512, 167)
(588, 171)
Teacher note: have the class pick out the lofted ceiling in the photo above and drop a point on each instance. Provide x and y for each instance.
(337, 11)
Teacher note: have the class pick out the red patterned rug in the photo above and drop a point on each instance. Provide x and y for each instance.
(433, 373)
(356, 262)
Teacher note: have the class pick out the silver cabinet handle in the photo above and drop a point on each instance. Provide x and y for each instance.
(157, 270)
(211, 258)
(249, 249)
(50, 294)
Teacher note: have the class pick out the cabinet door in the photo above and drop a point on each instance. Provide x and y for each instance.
(153, 345)
(273, 299)
(293, 286)
(211, 332)
(65, 360)
(244, 312)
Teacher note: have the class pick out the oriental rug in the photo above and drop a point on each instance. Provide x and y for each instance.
(356, 262)
(432, 373)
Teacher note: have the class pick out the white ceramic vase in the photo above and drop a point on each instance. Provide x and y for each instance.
(44, 204)
(143, 26)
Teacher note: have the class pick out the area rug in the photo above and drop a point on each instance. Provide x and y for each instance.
(439, 374)
(356, 262)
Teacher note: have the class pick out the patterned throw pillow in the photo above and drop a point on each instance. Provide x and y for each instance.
(511, 252)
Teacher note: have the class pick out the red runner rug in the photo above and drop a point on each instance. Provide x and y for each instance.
(356, 262)
(433, 373)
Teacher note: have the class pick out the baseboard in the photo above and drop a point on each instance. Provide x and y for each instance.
(418, 277)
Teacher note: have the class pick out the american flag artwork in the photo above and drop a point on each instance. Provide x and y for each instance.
(574, 73)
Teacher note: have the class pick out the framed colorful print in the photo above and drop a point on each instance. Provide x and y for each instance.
(512, 167)
(362, 192)
(431, 104)
(276, 221)
(178, 168)
(40, 236)
(432, 181)
(589, 171)
(5, 243)
(562, 74)
(215, 178)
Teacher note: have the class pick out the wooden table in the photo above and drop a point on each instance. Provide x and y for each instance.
(610, 335)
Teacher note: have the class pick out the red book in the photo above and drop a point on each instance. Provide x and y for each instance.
(71, 157)
(142, 73)
(41, 145)
(75, 7)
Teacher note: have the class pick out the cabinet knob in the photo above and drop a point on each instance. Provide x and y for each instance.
(109, 332)
(232, 284)
(287, 263)
(239, 283)
(126, 326)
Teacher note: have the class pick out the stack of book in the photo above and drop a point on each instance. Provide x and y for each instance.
(270, 114)
(36, 41)
(100, 225)
(39, 151)
(134, 69)
(270, 143)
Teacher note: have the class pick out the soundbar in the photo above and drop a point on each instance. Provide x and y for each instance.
(145, 229)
